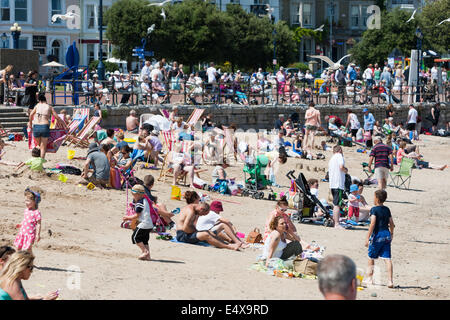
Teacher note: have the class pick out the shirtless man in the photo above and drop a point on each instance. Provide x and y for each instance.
(40, 122)
(132, 122)
(186, 231)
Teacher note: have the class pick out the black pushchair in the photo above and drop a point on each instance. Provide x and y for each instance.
(309, 200)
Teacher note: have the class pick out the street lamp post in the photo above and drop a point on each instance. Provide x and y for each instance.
(16, 30)
(331, 28)
(274, 33)
(101, 66)
(4, 38)
(419, 36)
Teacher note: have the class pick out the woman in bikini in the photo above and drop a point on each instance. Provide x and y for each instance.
(39, 121)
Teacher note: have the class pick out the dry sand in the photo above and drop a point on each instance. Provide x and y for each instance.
(86, 235)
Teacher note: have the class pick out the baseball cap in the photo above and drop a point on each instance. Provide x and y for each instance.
(353, 187)
(216, 206)
(365, 110)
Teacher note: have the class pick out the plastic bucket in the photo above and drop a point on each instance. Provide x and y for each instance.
(70, 154)
(175, 194)
(90, 186)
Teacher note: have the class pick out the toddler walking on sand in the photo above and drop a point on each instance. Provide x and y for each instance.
(380, 235)
(30, 228)
(353, 202)
(141, 234)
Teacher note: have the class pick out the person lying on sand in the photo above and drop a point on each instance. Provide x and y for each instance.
(187, 232)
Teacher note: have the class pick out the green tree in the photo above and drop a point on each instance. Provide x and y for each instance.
(436, 37)
(126, 26)
(376, 44)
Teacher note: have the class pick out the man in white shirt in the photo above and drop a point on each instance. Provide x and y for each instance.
(412, 120)
(211, 73)
(146, 70)
(336, 176)
(368, 76)
(434, 74)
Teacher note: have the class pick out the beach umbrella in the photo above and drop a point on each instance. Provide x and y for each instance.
(159, 122)
(53, 64)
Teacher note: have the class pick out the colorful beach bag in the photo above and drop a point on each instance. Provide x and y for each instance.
(130, 224)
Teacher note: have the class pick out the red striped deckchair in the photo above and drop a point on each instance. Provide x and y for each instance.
(3, 132)
(195, 116)
(169, 139)
(82, 139)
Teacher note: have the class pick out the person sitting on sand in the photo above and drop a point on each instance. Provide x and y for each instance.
(124, 160)
(132, 122)
(219, 172)
(35, 163)
(100, 165)
(141, 233)
(19, 267)
(109, 140)
(419, 163)
(187, 232)
(280, 210)
(276, 246)
(220, 226)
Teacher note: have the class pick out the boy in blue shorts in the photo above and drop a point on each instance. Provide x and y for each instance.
(380, 235)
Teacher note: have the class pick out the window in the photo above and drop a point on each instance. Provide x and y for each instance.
(5, 10)
(332, 11)
(39, 44)
(23, 43)
(56, 50)
(364, 15)
(354, 16)
(21, 10)
(90, 9)
(105, 8)
(90, 52)
(56, 9)
(307, 14)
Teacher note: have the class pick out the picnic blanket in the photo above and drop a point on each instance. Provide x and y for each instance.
(200, 243)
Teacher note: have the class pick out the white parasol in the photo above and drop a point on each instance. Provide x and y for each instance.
(159, 122)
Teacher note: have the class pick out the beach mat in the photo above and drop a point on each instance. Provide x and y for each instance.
(201, 243)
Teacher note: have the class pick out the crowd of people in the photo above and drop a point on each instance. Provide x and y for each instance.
(110, 155)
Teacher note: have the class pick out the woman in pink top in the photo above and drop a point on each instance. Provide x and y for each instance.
(312, 123)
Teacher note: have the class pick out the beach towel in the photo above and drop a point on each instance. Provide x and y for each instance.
(114, 178)
(201, 243)
(54, 141)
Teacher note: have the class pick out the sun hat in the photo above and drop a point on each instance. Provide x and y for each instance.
(353, 187)
(93, 147)
(216, 206)
(138, 188)
(365, 110)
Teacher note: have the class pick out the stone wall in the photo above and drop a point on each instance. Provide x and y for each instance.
(22, 60)
(264, 116)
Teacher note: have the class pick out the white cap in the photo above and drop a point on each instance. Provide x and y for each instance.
(117, 73)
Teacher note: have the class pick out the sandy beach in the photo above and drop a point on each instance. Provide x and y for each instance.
(88, 247)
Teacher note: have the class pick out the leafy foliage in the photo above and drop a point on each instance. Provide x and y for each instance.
(195, 31)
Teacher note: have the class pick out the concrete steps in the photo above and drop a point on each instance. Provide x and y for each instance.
(13, 119)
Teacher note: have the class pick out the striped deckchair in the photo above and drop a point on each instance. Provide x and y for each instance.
(195, 116)
(3, 132)
(166, 171)
(82, 139)
(168, 139)
(164, 113)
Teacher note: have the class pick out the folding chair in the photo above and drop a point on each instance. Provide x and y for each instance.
(195, 116)
(82, 139)
(164, 113)
(403, 175)
(144, 117)
(168, 139)
(3, 132)
(166, 171)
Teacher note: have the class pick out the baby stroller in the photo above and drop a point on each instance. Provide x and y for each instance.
(256, 179)
(309, 201)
